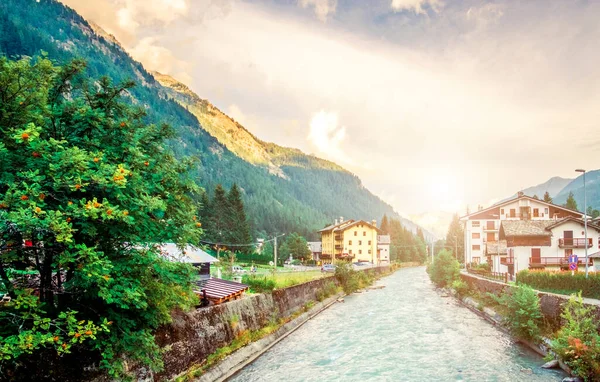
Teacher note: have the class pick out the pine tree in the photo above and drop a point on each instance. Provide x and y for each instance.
(455, 238)
(571, 202)
(239, 228)
(385, 225)
(205, 215)
(547, 197)
(536, 197)
(221, 213)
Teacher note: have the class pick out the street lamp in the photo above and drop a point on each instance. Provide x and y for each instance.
(584, 221)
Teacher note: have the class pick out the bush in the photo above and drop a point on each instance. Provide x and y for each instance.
(524, 315)
(347, 277)
(460, 287)
(562, 282)
(259, 284)
(577, 344)
(481, 267)
(444, 270)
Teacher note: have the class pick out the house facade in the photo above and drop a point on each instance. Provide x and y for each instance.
(522, 228)
(316, 249)
(383, 249)
(351, 240)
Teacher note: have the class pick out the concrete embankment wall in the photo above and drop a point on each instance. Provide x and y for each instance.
(551, 304)
(193, 336)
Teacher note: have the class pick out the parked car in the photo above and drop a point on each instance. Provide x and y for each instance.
(328, 268)
(239, 270)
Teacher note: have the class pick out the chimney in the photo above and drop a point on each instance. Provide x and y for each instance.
(374, 223)
(336, 222)
(520, 193)
(341, 219)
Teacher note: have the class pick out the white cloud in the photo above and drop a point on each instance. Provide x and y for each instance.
(322, 7)
(327, 136)
(416, 5)
(156, 57)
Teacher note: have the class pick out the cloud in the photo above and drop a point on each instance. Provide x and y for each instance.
(416, 5)
(156, 57)
(326, 136)
(322, 7)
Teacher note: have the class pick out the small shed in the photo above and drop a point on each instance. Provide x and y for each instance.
(191, 255)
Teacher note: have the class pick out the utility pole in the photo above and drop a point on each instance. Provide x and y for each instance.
(275, 254)
(432, 250)
(585, 221)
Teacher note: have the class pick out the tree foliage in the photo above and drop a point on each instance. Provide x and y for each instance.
(523, 312)
(571, 203)
(296, 246)
(86, 187)
(547, 197)
(405, 246)
(444, 270)
(455, 238)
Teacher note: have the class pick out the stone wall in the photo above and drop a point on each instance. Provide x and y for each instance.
(193, 336)
(551, 304)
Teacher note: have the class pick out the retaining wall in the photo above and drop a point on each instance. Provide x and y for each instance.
(550, 303)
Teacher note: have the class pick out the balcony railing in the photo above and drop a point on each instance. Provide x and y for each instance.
(507, 260)
(490, 228)
(339, 237)
(560, 261)
(574, 243)
(338, 246)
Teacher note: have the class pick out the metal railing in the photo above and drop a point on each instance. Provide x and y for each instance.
(561, 261)
(569, 242)
(507, 260)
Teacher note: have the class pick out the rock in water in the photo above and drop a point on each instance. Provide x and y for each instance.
(572, 379)
(550, 365)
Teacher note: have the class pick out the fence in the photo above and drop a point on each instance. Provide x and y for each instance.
(497, 276)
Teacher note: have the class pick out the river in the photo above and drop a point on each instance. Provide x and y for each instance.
(404, 332)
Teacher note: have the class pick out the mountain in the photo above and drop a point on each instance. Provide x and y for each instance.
(592, 185)
(553, 185)
(284, 189)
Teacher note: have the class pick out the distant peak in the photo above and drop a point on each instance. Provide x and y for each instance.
(107, 36)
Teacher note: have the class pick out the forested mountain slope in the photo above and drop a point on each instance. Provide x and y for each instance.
(284, 189)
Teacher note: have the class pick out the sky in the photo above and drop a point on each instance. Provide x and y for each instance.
(434, 104)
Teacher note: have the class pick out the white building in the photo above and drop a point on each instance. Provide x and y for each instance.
(531, 232)
(383, 249)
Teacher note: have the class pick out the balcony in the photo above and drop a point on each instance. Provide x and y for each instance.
(339, 237)
(574, 243)
(507, 260)
(490, 228)
(554, 261)
(339, 246)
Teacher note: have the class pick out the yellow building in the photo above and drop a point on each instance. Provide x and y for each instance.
(352, 240)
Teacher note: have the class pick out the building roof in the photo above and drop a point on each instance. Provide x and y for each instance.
(218, 290)
(190, 254)
(498, 205)
(526, 227)
(496, 247)
(575, 220)
(315, 246)
(383, 239)
(347, 224)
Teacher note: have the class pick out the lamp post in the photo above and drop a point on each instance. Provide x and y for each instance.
(585, 221)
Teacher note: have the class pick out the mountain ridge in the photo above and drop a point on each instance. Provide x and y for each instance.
(284, 189)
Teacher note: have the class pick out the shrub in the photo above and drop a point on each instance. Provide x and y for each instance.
(259, 284)
(523, 312)
(481, 266)
(460, 287)
(347, 277)
(577, 343)
(562, 282)
(444, 270)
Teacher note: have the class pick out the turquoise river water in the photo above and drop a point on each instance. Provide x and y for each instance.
(404, 332)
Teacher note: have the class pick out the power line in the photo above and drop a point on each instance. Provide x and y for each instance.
(238, 245)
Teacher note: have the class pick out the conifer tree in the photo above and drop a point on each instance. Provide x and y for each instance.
(239, 228)
(547, 197)
(385, 225)
(220, 215)
(571, 202)
(455, 238)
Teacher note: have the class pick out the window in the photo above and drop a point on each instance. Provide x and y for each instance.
(491, 225)
(360, 251)
(536, 213)
(513, 213)
(369, 242)
(369, 251)
(475, 223)
(364, 233)
(355, 233)
(475, 235)
(476, 247)
(349, 242)
(350, 252)
(501, 211)
(546, 211)
(360, 242)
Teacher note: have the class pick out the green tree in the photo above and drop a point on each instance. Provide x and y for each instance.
(571, 202)
(239, 228)
(221, 213)
(88, 186)
(444, 270)
(455, 238)
(296, 246)
(523, 312)
(385, 225)
(536, 197)
(547, 197)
